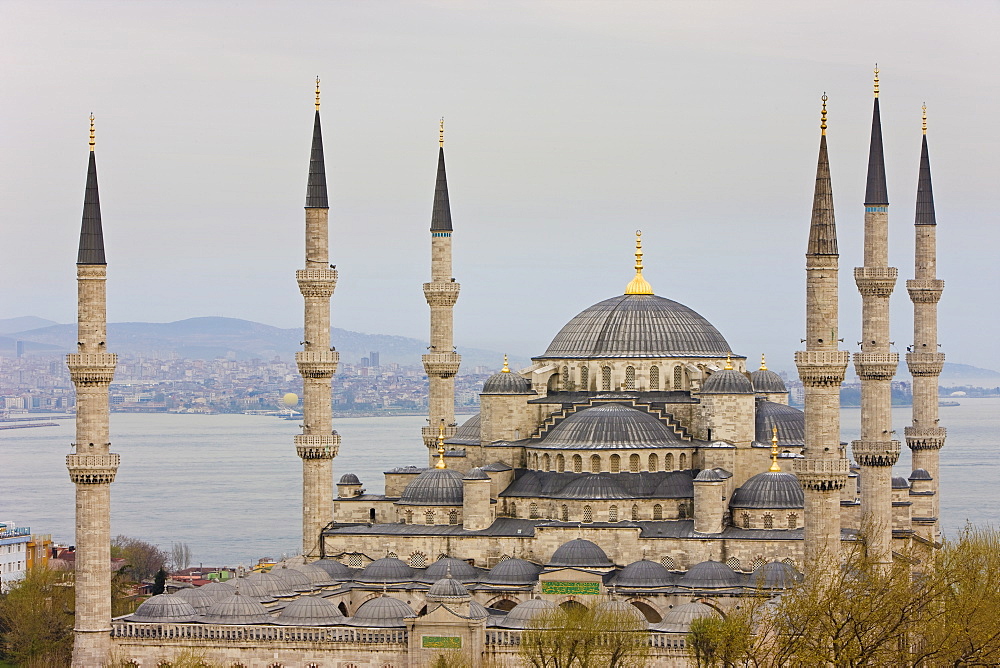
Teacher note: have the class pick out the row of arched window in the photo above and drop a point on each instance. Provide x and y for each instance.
(429, 516)
(563, 512)
(564, 380)
(575, 463)
(767, 521)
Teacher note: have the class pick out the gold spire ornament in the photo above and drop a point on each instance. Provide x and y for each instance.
(924, 108)
(729, 362)
(505, 369)
(638, 285)
(441, 133)
(317, 93)
(763, 363)
(774, 451)
(92, 142)
(822, 125)
(440, 462)
(876, 79)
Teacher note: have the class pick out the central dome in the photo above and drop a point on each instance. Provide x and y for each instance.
(608, 426)
(637, 326)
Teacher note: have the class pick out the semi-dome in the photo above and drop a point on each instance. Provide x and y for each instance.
(512, 572)
(791, 423)
(679, 618)
(387, 569)
(766, 381)
(643, 573)
(165, 608)
(434, 487)
(295, 580)
(199, 599)
(237, 609)
(727, 381)
(637, 326)
(447, 588)
(610, 426)
(468, 433)
(335, 569)
(920, 474)
(771, 489)
(476, 474)
(580, 552)
(774, 575)
(218, 589)
(899, 482)
(507, 382)
(710, 575)
(310, 611)
(456, 568)
(382, 612)
(521, 616)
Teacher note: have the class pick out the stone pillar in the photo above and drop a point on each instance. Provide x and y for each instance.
(709, 502)
(476, 513)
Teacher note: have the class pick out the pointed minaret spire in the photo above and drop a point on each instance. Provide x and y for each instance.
(823, 228)
(91, 234)
(876, 193)
(441, 214)
(925, 194)
(316, 187)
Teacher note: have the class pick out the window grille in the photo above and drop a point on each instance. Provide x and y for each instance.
(616, 463)
(793, 521)
(588, 514)
(733, 563)
(630, 378)
(560, 463)
(668, 462)
(678, 378)
(577, 464)
(635, 513)
(768, 521)
(584, 378)
(533, 511)
(633, 463)
(595, 463)
(429, 517)
(657, 512)
(565, 513)
(746, 520)
(683, 461)
(654, 463)
(606, 378)
(418, 560)
(654, 378)
(668, 563)
(452, 517)
(613, 514)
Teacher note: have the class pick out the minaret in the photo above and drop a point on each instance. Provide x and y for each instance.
(441, 363)
(876, 451)
(317, 444)
(925, 438)
(823, 470)
(93, 466)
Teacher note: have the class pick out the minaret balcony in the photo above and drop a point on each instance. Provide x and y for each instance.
(316, 282)
(875, 281)
(925, 364)
(821, 475)
(443, 365)
(925, 438)
(92, 368)
(93, 469)
(317, 446)
(876, 366)
(441, 293)
(875, 453)
(317, 363)
(822, 368)
(430, 434)
(925, 290)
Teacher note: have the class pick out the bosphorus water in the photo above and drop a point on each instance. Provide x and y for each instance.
(230, 485)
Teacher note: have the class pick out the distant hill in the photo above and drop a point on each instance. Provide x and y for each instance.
(212, 337)
(8, 325)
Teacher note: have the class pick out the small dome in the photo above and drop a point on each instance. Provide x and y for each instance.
(462, 571)
(899, 482)
(920, 474)
(434, 487)
(218, 589)
(477, 611)
(580, 552)
(237, 609)
(199, 599)
(271, 583)
(476, 474)
(513, 572)
(317, 576)
(791, 423)
(710, 575)
(626, 610)
(252, 589)
(335, 569)
(727, 381)
(382, 612)
(769, 490)
(679, 618)
(507, 382)
(643, 573)
(775, 575)
(709, 475)
(610, 426)
(522, 614)
(349, 479)
(387, 569)
(295, 580)
(765, 381)
(447, 588)
(165, 608)
(310, 611)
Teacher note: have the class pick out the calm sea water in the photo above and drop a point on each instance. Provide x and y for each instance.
(229, 485)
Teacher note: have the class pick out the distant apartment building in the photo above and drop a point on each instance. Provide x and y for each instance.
(14, 542)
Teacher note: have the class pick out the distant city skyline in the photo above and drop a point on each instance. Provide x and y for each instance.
(568, 126)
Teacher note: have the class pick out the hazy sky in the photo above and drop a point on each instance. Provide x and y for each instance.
(569, 125)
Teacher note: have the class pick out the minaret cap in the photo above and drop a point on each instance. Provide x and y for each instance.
(505, 369)
(441, 133)
(822, 125)
(924, 118)
(440, 462)
(876, 79)
(638, 285)
(92, 142)
(763, 363)
(317, 93)
(775, 468)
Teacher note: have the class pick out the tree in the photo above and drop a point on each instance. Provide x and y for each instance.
(586, 636)
(160, 581)
(36, 620)
(142, 559)
(180, 556)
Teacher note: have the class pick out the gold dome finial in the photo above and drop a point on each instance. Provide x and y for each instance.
(729, 362)
(92, 142)
(822, 125)
(638, 285)
(876, 79)
(317, 93)
(763, 363)
(924, 108)
(505, 369)
(440, 462)
(774, 451)
(441, 133)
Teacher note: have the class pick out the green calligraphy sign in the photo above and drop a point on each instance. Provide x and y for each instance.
(572, 588)
(441, 642)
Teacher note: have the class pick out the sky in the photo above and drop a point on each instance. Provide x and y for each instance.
(569, 125)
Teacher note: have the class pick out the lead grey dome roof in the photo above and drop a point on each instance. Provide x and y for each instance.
(727, 381)
(610, 426)
(626, 610)
(774, 575)
(349, 479)
(199, 599)
(679, 618)
(460, 570)
(513, 572)
(271, 584)
(218, 589)
(765, 380)
(294, 580)
(387, 569)
(710, 575)
(637, 326)
(507, 382)
(433, 487)
(310, 611)
(579, 552)
(335, 569)
(316, 575)
(920, 474)
(899, 482)
(522, 614)
(164, 608)
(468, 433)
(791, 423)
(253, 589)
(644, 573)
(447, 587)
(769, 490)
(382, 612)
(237, 609)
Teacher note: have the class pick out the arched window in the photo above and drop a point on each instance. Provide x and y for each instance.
(616, 463)
(429, 517)
(355, 560)
(654, 378)
(565, 513)
(668, 563)
(633, 463)
(757, 563)
(595, 463)
(418, 560)
(534, 461)
(533, 511)
(746, 520)
(793, 521)
(682, 510)
(545, 462)
(678, 378)
(588, 514)
(409, 517)
(584, 378)
(654, 463)
(567, 383)
(668, 462)
(513, 509)
(657, 512)
(560, 463)
(733, 563)
(613, 514)
(682, 461)
(768, 521)
(606, 378)
(635, 513)
(577, 464)
(630, 378)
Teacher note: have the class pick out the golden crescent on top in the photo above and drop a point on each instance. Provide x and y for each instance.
(822, 125)
(317, 93)
(505, 369)
(441, 133)
(924, 108)
(92, 142)
(638, 285)
(440, 462)
(775, 468)
(876, 79)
